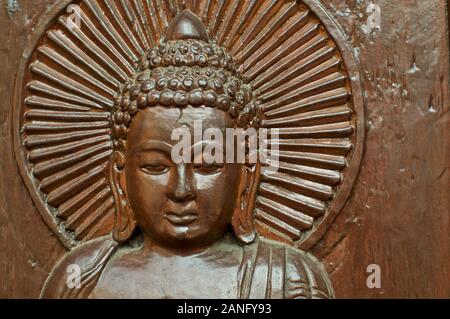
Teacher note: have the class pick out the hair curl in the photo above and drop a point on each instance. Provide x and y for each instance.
(181, 73)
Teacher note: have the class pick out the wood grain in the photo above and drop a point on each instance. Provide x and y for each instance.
(398, 215)
(28, 249)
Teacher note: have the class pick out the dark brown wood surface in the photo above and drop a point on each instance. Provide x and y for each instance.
(398, 214)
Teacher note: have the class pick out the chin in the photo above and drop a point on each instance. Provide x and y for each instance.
(182, 235)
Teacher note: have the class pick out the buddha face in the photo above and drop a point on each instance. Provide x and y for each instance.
(178, 205)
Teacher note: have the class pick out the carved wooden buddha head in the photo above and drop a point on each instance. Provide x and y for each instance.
(184, 80)
(94, 142)
(129, 76)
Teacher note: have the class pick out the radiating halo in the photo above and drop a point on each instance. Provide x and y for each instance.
(292, 54)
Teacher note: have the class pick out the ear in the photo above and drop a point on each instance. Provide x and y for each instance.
(124, 222)
(242, 221)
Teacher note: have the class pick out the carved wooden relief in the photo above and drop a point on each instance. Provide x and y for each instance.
(266, 64)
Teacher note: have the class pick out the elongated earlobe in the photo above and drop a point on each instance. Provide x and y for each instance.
(242, 221)
(124, 222)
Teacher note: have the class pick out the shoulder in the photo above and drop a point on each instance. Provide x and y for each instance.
(87, 261)
(304, 275)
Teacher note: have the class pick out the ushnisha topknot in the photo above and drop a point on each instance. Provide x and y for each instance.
(186, 69)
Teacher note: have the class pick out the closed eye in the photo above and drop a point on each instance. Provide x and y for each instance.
(208, 169)
(155, 169)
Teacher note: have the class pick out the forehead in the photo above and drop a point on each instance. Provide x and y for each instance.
(158, 123)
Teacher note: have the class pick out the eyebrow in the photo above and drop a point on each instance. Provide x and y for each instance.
(203, 143)
(207, 142)
(154, 145)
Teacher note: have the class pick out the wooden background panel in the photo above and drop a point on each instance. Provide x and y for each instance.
(28, 249)
(398, 215)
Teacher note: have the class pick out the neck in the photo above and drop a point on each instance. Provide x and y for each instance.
(151, 245)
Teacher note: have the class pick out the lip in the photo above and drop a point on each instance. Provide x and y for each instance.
(181, 219)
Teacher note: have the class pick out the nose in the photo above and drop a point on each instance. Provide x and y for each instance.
(181, 187)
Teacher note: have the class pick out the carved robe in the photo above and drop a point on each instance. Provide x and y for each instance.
(267, 270)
